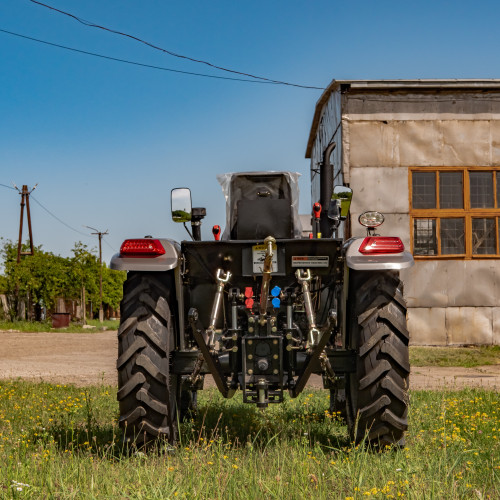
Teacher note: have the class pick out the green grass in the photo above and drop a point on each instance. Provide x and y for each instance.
(46, 326)
(64, 442)
(455, 356)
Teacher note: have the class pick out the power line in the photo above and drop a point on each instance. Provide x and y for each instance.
(149, 44)
(58, 219)
(5, 186)
(133, 62)
(112, 248)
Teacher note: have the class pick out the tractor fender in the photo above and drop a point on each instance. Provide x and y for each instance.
(377, 262)
(169, 260)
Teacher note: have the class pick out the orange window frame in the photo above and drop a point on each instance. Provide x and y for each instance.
(467, 213)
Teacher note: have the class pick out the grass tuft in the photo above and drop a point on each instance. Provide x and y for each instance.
(46, 326)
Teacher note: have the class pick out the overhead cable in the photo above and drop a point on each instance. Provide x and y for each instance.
(58, 219)
(169, 52)
(134, 62)
(112, 248)
(5, 186)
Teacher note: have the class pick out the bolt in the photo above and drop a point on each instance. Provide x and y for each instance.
(275, 356)
(274, 329)
(250, 356)
(250, 372)
(275, 341)
(275, 371)
(250, 330)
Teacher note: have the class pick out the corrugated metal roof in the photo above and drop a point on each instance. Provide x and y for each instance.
(417, 84)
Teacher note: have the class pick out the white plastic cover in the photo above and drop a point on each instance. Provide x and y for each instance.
(249, 191)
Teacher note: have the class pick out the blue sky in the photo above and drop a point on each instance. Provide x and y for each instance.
(107, 141)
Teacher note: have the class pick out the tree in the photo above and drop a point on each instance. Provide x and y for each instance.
(44, 277)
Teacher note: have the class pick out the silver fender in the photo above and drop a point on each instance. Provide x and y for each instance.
(359, 262)
(169, 260)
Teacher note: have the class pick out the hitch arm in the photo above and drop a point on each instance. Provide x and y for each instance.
(314, 355)
(212, 362)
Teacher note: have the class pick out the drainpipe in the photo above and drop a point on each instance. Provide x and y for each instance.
(326, 189)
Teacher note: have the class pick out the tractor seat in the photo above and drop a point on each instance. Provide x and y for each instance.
(262, 217)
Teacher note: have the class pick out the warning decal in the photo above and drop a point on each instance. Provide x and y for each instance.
(258, 255)
(310, 261)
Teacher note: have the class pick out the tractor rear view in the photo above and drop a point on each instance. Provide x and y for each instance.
(261, 308)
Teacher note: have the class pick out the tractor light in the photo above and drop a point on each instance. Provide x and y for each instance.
(381, 244)
(371, 219)
(144, 247)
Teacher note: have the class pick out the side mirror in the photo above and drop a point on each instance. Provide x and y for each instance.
(342, 196)
(181, 204)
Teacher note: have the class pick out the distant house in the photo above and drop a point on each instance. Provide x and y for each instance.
(425, 153)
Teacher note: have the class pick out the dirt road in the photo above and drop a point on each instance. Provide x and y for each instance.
(89, 358)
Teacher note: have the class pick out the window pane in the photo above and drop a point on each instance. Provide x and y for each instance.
(481, 189)
(450, 190)
(452, 236)
(424, 237)
(424, 189)
(483, 237)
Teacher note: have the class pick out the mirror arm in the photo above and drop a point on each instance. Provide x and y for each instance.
(188, 231)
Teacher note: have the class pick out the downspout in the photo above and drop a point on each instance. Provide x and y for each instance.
(326, 188)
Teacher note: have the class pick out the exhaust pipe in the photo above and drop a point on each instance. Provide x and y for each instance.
(326, 188)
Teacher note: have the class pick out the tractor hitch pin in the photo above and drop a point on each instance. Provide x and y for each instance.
(304, 279)
(222, 278)
(266, 275)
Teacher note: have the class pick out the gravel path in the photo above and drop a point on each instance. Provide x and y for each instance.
(89, 358)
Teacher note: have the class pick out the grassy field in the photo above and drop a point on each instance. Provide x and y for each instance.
(455, 356)
(64, 442)
(46, 326)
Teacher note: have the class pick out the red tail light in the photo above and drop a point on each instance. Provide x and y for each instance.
(381, 244)
(144, 247)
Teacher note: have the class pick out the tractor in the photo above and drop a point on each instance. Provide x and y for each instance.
(261, 307)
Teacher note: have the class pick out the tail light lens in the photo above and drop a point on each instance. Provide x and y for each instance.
(381, 244)
(144, 247)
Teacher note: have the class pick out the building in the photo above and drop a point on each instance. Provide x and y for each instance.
(425, 153)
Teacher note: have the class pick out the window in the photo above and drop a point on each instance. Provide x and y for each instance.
(455, 212)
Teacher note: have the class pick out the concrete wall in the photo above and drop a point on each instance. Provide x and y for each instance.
(450, 301)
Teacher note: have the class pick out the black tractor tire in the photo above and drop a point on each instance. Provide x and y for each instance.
(377, 394)
(147, 390)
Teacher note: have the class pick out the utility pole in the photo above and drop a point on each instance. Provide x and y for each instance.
(25, 200)
(100, 234)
